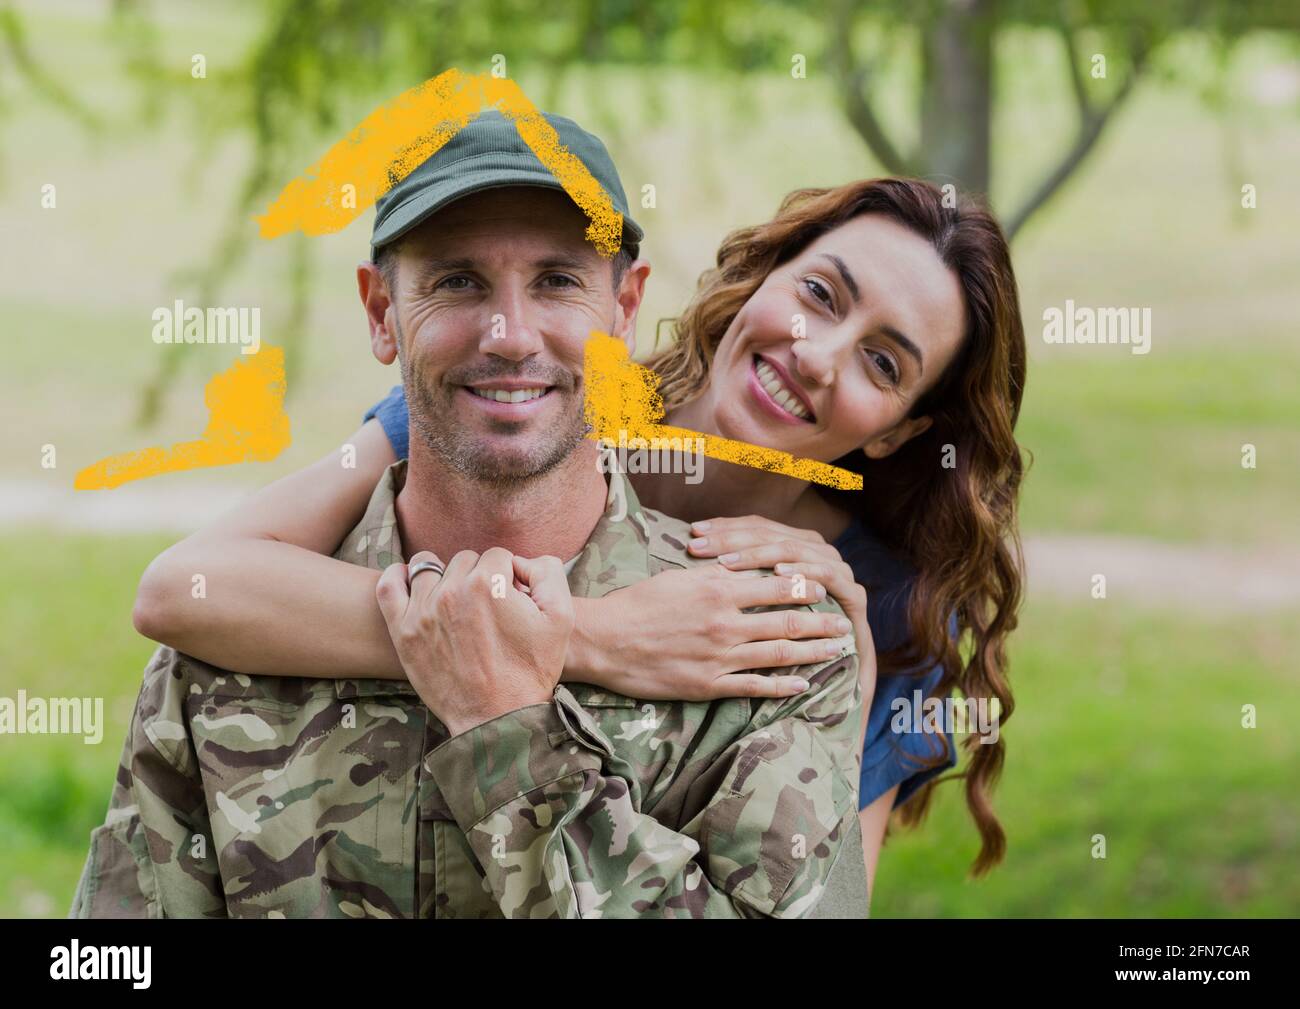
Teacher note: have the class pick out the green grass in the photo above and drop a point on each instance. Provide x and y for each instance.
(1127, 724)
(66, 631)
(1125, 444)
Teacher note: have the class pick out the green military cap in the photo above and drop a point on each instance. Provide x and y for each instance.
(489, 153)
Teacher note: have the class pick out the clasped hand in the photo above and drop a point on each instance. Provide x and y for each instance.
(486, 637)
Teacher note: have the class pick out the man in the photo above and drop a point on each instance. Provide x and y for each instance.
(483, 787)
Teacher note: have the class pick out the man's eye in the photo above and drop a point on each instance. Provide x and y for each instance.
(819, 291)
(559, 280)
(457, 283)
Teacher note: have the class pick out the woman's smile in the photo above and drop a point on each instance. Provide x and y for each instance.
(778, 394)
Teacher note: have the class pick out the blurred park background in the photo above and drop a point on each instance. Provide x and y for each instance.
(1124, 190)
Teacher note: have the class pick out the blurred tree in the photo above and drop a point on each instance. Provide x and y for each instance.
(15, 53)
(317, 65)
(956, 95)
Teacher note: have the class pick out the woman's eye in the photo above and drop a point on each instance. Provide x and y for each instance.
(885, 363)
(819, 291)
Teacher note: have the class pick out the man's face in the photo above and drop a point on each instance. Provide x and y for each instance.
(494, 299)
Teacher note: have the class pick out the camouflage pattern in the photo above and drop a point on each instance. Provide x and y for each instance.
(254, 796)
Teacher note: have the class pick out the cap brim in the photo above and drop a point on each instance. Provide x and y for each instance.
(427, 202)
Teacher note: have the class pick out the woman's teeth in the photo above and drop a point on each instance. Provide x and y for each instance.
(508, 395)
(785, 399)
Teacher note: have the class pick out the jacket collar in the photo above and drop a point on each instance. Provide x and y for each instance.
(615, 555)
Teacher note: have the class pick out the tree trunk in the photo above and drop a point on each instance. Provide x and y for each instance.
(957, 93)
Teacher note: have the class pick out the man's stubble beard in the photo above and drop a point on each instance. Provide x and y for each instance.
(432, 422)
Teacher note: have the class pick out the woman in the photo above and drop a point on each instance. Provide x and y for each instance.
(869, 326)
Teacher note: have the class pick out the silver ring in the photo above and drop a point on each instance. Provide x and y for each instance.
(423, 566)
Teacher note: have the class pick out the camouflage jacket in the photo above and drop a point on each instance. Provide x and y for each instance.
(256, 796)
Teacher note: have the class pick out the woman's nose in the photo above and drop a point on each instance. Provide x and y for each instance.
(813, 361)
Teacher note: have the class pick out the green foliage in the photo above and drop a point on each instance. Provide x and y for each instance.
(306, 70)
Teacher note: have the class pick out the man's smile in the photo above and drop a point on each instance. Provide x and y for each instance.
(512, 399)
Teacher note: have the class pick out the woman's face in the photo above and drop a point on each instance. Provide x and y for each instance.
(880, 315)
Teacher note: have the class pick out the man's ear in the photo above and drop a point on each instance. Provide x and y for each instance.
(380, 312)
(896, 437)
(631, 289)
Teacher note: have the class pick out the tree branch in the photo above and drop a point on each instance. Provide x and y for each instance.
(1072, 61)
(15, 43)
(852, 80)
(1091, 123)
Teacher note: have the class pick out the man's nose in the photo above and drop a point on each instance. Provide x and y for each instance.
(511, 330)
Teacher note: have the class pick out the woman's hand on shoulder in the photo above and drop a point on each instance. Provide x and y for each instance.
(684, 635)
(751, 542)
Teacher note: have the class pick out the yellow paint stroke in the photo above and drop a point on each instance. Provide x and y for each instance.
(246, 423)
(399, 136)
(623, 397)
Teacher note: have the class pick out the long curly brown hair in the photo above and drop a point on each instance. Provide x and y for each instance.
(950, 510)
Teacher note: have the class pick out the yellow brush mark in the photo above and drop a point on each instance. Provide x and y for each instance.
(246, 423)
(623, 397)
(399, 136)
